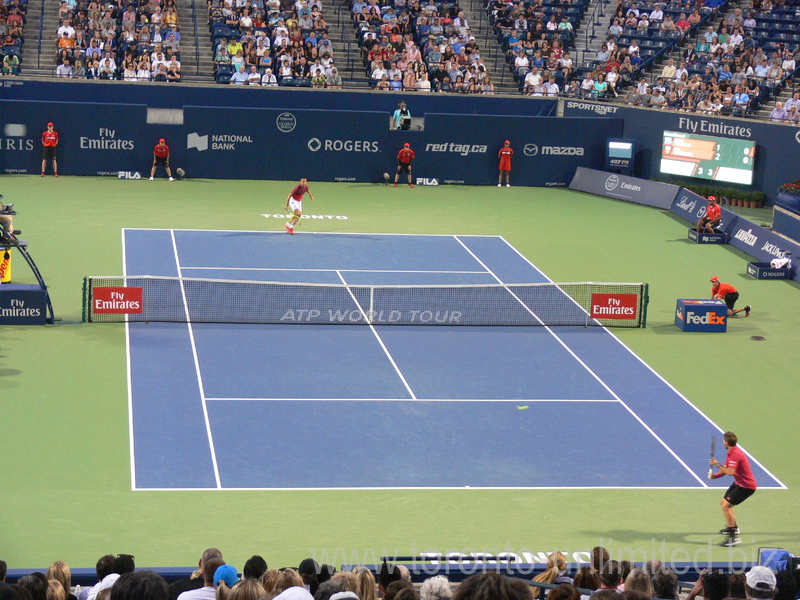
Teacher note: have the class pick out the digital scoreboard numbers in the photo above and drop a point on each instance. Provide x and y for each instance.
(708, 157)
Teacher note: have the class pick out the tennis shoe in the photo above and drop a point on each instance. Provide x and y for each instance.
(730, 531)
(395, 185)
(410, 185)
(508, 185)
(747, 311)
(732, 541)
(499, 185)
(55, 174)
(171, 179)
(151, 179)
(289, 229)
(42, 175)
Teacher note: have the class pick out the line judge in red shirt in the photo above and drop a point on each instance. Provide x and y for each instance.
(49, 141)
(743, 486)
(728, 294)
(161, 157)
(505, 155)
(404, 159)
(295, 203)
(713, 217)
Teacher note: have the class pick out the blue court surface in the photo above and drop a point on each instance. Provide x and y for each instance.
(291, 406)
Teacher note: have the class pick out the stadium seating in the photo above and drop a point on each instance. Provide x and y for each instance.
(13, 35)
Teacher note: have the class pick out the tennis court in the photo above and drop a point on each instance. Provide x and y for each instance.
(66, 388)
(446, 406)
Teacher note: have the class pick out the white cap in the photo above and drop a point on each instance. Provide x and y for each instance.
(761, 578)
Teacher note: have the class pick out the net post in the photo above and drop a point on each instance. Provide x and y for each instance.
(588, 312)
(85, 302)
(645, 292)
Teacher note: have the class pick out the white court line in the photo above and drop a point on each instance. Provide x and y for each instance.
(416, 487)
(131, 445)
(657, 374)
(599, 380)
(514, 401)
(283, 233)
(197, 369)
(380, 341)
(327, 270)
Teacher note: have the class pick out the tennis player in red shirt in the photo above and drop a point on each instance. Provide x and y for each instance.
(404, 159)
(712, 218)
(743, 486)
(49, 141)
(295, 203)
(161, 157)
(728, 294)
(505, 155)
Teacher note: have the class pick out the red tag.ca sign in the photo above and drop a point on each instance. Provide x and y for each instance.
(117, 300)
(614, 306)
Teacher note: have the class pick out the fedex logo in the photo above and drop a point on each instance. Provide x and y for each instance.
(711, 318)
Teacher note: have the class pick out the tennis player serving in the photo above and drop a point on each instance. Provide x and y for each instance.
(294, 204)
(743, 486)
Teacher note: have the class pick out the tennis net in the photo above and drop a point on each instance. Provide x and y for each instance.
(191, 300)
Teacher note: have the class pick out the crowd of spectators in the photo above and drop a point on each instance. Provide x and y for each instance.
(725, 70)
(271, 43)
(413, 47)
(603, 579)
(114, 39)
(12, 34)
(536, 37)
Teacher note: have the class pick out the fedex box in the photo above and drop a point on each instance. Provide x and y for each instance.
(701, 315)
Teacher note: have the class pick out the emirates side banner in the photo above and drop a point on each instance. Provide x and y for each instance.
(623, 187)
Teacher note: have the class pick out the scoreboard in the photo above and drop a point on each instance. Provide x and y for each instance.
(708, 157)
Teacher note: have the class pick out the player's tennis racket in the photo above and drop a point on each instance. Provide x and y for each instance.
(713, 449)
(290, 214)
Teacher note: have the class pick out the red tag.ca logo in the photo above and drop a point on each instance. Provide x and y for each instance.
(117, 300)
(614, 306)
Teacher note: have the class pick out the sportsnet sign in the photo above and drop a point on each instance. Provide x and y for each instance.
(614, 306)
(117, 300)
